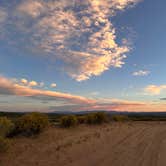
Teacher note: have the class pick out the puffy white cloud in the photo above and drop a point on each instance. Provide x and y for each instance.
(32, 83)
(141, 73)
(28, 83)
(78, 33)
(24, 81)
(53, 85)
(155, 89)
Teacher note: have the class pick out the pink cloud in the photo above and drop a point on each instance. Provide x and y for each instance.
(7, 87)
(73, 102)
(155, 89)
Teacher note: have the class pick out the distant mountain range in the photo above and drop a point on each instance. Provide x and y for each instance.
(137, 114)
(113, 113)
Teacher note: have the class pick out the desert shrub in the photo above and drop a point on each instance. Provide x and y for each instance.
(4, 144)
(96, 118)
(90, 119)
(68, 121)
(120, 118)
(30, 124)
(6, 126)
(81, 119)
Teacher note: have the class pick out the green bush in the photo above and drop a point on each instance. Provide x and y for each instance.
(120, 118)
(30, 124)
(4, 144)
(96, 118)
(68, 121)
(6, 126)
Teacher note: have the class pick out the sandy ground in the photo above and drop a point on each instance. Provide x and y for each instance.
(115, 144)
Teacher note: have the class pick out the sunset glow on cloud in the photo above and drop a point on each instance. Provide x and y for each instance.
(74, 102)
(7, 87)
(154, 89)
(81, 36)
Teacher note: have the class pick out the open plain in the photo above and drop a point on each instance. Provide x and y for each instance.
(114, 144)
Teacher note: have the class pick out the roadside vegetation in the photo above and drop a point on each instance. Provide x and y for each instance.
(120, 118)
(26, 125)
(30, 124)
(4, 144)
(68, 121)
(91, 119)
(6, 127)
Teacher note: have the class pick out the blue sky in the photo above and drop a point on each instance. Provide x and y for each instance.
(83, 58)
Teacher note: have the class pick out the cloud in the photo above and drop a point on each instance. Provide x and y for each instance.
(53, 85)
(33, 83)
(8, 87)
(24, 81)
(163, 99)
(95, 93)
(155, 89)
(77, 33)
(141, 73)
(66, 101)
(4, 102)
(113, 105)
(41, 84)
(3, 15)
(31, 8)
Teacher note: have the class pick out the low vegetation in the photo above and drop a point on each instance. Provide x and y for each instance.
(6, 126)
(93, 118)
(96, 118)
(68, 121)
(27, 125)
(4, 144)
(31, 124)
(34, 123)
(120, 118)
(81, 119)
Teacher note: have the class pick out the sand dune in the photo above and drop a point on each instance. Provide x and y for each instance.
(115, 144)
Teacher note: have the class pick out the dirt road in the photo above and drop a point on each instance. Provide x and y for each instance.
(115, 144)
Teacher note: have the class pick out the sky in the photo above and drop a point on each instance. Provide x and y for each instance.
(61, 55)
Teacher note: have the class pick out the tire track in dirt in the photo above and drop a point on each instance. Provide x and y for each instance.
(123, 149)
(148, 143)
(111, 151)
(153, 150)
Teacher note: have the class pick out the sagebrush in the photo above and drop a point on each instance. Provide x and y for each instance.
(120, 118)
(4, 144)
(96, 118)
(6, 126)
(32, 123)
(68, 121)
